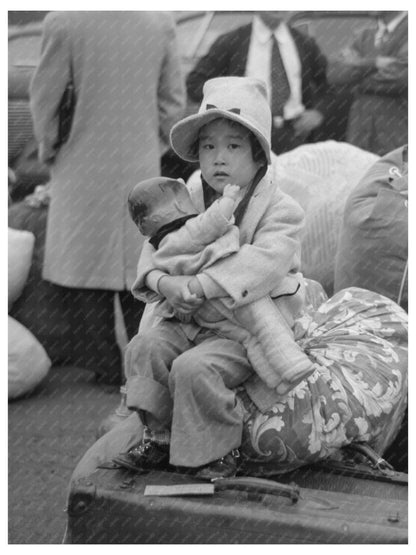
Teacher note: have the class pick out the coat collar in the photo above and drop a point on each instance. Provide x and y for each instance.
(264, 33)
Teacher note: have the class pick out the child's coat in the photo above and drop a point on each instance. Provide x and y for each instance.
(266, 265)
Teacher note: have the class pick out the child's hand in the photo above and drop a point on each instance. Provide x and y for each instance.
(195, 287)
(231, 191)
(176, 291)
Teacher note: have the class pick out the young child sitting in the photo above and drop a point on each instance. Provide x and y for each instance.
(181, 375)
(187, 243)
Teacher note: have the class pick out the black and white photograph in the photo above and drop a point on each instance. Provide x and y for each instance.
(208, 275)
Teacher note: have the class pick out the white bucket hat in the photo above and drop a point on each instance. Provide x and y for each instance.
(240, 99)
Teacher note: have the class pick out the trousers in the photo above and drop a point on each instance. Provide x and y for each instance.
(187, 387)
(92, 329)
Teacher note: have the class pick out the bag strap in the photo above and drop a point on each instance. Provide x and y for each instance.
(242, 207)
(375, 466)
(403, 282)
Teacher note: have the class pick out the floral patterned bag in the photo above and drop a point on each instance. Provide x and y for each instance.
(358, 391)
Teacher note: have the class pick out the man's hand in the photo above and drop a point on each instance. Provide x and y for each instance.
(382, 62)
(176, 291)
(350, 56)
(307, 122)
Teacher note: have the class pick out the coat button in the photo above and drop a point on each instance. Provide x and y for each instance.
(245, 293)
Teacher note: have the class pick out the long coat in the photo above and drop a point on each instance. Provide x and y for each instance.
(129, 92)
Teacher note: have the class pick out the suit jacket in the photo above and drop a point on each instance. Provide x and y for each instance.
(365, 77)
(228, 56)
(378, 120)
(129, 92)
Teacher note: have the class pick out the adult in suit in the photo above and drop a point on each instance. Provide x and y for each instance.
(376, 68)
(290, 63)
(129, 91)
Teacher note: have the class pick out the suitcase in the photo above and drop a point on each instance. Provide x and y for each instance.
(313, 505)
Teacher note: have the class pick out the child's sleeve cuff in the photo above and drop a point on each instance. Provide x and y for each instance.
(152, 279)
(210, 287)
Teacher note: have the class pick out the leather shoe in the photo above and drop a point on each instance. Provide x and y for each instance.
(146, 454)
(226, 467)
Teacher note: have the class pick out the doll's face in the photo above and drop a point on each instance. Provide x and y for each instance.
(157, 207)
(150, 220)
(225, 155)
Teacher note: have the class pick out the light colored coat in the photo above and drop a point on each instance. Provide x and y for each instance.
(265, 266)
(268, 260)
(129, 92)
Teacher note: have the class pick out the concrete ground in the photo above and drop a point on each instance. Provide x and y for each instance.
(49, 431)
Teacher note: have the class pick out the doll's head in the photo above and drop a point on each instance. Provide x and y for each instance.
(158, 201)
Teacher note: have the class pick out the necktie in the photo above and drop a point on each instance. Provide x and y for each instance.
(279, 82)
(381, 34)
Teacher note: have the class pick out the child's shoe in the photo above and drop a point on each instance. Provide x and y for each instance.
(146, 454)
(226, 467)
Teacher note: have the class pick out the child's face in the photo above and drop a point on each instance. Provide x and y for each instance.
(225, 155)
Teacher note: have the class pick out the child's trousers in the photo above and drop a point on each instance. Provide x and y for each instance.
(187, 387)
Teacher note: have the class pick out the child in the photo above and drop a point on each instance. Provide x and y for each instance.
(180, 376)
(186, 244)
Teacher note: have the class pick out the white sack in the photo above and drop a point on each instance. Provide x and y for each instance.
(28, 361)
(20, 252)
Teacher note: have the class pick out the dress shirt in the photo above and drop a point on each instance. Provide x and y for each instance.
(259, 58)
(385, 29)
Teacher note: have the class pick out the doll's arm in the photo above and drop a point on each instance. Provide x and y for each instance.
(212, 224)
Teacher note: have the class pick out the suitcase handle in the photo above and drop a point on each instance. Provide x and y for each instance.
(258, 485)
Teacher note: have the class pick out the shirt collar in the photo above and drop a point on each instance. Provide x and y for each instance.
(263, 33)
(390, 27)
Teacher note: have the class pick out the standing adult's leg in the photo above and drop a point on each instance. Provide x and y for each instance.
(132, 310)
(93, 330)
(207, 419)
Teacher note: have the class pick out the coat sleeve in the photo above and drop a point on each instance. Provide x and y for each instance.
(323, 94)
(261, 266)
(48, 85)
(214, 64)
(206, 228)
(171, 86)
(146, 264)
(393, 80)
(354, 63)
(356, 66)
